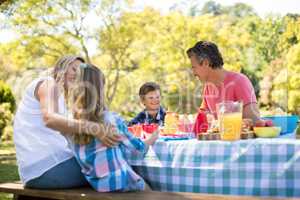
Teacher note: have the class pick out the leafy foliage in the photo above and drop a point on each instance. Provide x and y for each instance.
(133, 47)
(5, 116)
(6, 96)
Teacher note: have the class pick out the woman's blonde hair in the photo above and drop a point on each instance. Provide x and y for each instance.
(87, 98)
(60, 69)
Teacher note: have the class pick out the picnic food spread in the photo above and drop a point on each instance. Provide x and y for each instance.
(229, 126)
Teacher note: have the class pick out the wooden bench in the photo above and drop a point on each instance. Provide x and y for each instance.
(22, 193)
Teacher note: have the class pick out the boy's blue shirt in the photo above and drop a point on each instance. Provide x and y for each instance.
(144, 117)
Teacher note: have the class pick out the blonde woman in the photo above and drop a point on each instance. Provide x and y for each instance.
(44, 158)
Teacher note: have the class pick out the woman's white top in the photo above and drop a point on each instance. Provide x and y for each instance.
(38, 147)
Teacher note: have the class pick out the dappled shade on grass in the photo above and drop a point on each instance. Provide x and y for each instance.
(8, 166)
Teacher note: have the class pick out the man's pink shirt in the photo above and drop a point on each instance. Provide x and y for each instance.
(235, 87)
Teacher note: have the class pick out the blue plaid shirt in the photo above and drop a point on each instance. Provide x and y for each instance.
(145, 117)
(107, 169)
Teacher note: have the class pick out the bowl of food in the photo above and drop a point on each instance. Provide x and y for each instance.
(267, 132)
(287, 123)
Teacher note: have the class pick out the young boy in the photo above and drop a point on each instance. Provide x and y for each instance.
(153, 113)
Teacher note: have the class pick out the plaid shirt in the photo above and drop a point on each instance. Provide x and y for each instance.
(107, 169)
(145, 117)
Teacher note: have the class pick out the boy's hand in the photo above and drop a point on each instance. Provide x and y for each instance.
(154, 136)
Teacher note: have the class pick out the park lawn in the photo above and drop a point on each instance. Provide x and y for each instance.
(8, 167)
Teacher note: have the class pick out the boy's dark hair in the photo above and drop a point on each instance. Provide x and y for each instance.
(148, 87)
(206, 50)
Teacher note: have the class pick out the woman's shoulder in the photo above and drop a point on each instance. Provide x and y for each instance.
(48, 80)
(32, 87)
(38, 80)
(46, 86)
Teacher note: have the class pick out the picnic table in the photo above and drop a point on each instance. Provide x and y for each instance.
(256, 167)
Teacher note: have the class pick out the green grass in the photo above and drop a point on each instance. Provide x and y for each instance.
(8, 167)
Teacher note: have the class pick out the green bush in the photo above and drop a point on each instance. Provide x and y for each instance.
(254, 80)
(7, 133)
(5, 116)
(6, 96)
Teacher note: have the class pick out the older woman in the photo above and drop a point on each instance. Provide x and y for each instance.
(44, 158)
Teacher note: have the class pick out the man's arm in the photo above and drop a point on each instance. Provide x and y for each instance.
(251, 111)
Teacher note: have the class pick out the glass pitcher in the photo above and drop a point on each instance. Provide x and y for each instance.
(230, 119)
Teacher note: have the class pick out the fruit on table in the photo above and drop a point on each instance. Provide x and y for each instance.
(269, 123)
(260, 123)
(267, 132)
(264, 123)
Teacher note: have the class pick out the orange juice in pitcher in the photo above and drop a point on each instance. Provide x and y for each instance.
(230, 120)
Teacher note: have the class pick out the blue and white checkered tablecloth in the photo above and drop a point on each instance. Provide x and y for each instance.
(260, 167)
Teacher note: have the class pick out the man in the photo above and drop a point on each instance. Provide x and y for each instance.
(219, 84)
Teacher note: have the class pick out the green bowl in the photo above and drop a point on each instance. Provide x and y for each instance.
(267, 132)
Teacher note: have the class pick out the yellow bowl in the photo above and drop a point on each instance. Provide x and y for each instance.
(267, 132)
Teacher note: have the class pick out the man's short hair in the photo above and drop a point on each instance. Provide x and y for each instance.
(206, 50)
(148, 87)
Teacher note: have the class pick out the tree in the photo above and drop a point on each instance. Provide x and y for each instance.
(6, 96)
(133, 47)
(282, 72)
(265, 35)
(291, 34)
(292, 81)
(7, 6)
(254, 80)
(239, 10)
(211, 7)
(56, 28)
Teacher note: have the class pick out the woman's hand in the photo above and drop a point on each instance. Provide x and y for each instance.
(109, 136)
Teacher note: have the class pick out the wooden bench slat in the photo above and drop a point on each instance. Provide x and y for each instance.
(88, 193)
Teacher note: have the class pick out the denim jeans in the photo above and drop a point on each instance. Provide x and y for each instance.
(64, 175)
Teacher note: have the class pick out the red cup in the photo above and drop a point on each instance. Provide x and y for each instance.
(149, 128)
